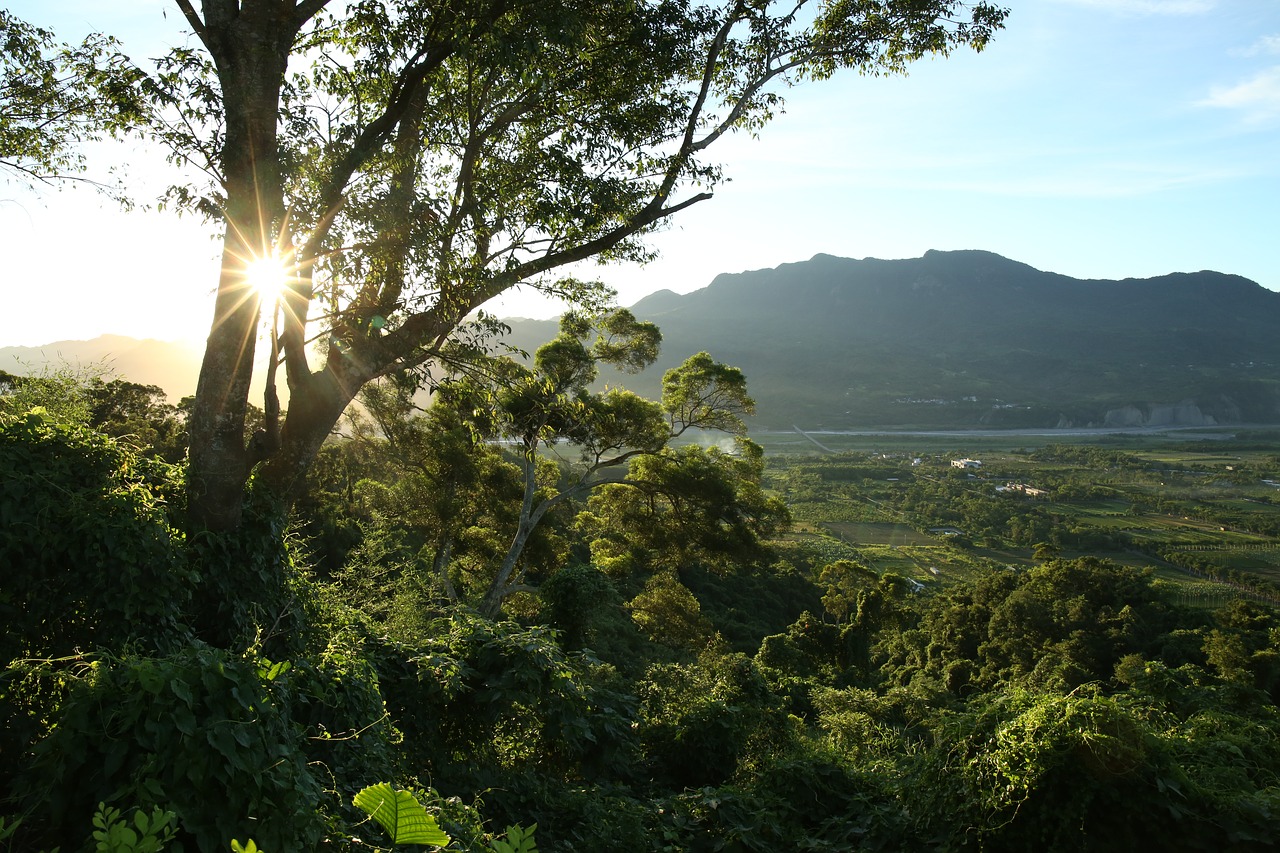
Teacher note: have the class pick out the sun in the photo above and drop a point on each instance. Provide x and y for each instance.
(268, 276)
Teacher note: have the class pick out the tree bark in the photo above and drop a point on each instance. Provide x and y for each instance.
(498, 590)
(250, 48)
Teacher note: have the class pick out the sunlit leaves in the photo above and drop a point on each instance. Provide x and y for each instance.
(681, 505)
(705, 394)
(884, 36)
(553, 401)
(443, 502)
(193, 127)
(621, 420)
(401, 815)
(669, 614)
(54, 97)
(625, 342)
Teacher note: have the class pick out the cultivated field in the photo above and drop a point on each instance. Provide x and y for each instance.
(1199, 509)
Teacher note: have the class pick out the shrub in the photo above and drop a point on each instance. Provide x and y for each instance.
(91, 558)
(205, 733)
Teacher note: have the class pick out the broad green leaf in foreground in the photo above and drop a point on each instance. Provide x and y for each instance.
(401, 815)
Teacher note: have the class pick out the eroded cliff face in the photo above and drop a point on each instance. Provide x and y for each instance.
(1186, 413)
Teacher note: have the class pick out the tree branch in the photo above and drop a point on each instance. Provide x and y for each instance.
(197, 25)
(306, 10)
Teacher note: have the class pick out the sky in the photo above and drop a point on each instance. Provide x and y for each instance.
(1094, 138)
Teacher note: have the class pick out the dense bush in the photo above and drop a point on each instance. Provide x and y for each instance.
(1083, 771)
(205, 733)
(91, 557)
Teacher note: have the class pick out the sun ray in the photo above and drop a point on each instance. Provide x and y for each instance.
(268, 275)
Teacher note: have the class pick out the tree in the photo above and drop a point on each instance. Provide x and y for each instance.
(684, 505)
(53, 97)
(124, 409)
(448, 495)
(1045, 551)
(428, 157)
(846, 585)
(536, 410)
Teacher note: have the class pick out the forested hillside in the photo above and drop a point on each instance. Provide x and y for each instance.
(957, 339)
(929, 660)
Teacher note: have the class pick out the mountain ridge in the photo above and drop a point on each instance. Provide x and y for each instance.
(171, 365)
(950, 339)
(952, 325)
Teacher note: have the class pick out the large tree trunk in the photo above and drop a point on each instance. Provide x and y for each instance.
(250, 48)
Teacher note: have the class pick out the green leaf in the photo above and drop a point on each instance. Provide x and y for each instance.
(271, 671)
(402, 816)
(105, 816)
(518, 840)
(182, 690)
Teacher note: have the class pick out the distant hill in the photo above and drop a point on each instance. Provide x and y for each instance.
(172, 366)
(952, 339)
(970, 338)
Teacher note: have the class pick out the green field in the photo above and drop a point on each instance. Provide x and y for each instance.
(877, 533)
(1225, 446)
(1198, 512)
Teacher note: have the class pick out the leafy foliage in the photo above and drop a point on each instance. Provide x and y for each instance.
(478, 700)
(1059, 625)
(1070, 702)
(401, 815)
(684, 505)
(704, 722)
(204, 733)
(148, 834)
(139, 415)
(54, 97)
(86, 533)
(1056, 771)
(517, 840)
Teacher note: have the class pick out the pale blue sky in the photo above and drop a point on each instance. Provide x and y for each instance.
(1095, 138)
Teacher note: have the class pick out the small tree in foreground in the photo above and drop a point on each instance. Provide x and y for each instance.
(535, 412)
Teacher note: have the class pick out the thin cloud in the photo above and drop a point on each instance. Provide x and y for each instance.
(1257, 99)
(1265, 46)
(1147, 7)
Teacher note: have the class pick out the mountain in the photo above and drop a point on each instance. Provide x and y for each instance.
(171, 365)
(970, 338)
(952, 339)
